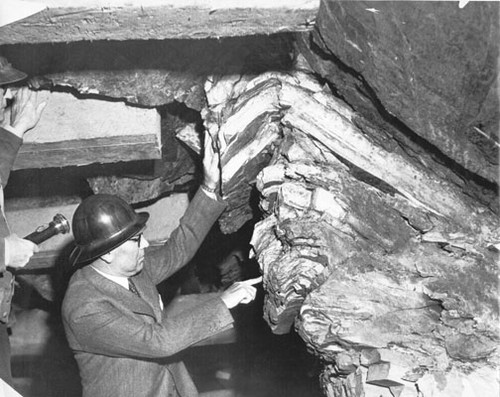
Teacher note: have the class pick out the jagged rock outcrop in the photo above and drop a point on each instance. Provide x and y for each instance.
(362, 250)
(380, 232)
(427, 73)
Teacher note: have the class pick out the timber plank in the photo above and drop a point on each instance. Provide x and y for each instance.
(81, 152)
(76, 131)
(64, 21)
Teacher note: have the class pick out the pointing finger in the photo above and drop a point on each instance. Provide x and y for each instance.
(252, 281)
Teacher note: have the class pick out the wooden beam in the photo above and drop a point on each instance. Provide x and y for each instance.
(76, 131)
(65, 21)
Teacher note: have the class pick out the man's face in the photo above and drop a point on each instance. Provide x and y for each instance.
(129, 257)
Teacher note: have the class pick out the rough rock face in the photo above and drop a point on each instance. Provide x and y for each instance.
(428, 70)
(375, 243)
(244, 117)
(356, 260)
(149, 73)
(393, 285)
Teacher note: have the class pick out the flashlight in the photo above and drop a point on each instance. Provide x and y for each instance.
(59, 225)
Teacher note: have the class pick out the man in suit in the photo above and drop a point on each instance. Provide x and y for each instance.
(112, 313)
(15, 252)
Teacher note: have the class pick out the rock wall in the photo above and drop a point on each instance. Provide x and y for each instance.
(431, 66)
(382, 263)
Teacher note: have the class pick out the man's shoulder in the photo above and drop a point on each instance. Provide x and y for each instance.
(78, 288)
(76, 277)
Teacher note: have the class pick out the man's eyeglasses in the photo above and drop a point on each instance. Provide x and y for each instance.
(137, 239)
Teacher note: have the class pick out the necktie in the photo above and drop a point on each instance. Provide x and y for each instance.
(133, 288)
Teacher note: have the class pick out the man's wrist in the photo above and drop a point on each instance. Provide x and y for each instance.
(209, 189)
(210, 195)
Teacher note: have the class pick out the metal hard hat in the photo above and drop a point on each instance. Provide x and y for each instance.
(8, 74)
(101, 223)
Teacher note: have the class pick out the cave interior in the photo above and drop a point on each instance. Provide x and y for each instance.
(359, 161)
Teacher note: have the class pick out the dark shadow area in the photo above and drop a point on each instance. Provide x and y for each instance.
(48, 183)
(197, 57)
(42, 363)
(51, 373)
(259, 363)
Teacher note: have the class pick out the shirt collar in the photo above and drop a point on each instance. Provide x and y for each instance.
(121, 280)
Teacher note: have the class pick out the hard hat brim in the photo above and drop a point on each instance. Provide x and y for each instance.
(9, 75)
(81, 254)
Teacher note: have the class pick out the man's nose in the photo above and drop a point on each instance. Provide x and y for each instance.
(144, 243)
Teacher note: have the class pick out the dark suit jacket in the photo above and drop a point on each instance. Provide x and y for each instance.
(9, 146)
(123, 344)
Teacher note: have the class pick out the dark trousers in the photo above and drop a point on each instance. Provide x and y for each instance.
(5, 373)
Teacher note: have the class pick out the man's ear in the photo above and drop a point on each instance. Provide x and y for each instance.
(108, 257)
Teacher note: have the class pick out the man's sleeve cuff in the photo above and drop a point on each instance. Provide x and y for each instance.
(209, 194)
(13, 130)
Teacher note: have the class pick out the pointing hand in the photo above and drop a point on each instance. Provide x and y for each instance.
(240, 292)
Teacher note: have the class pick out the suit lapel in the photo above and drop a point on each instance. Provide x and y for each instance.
(119, 293)
(148, 292)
